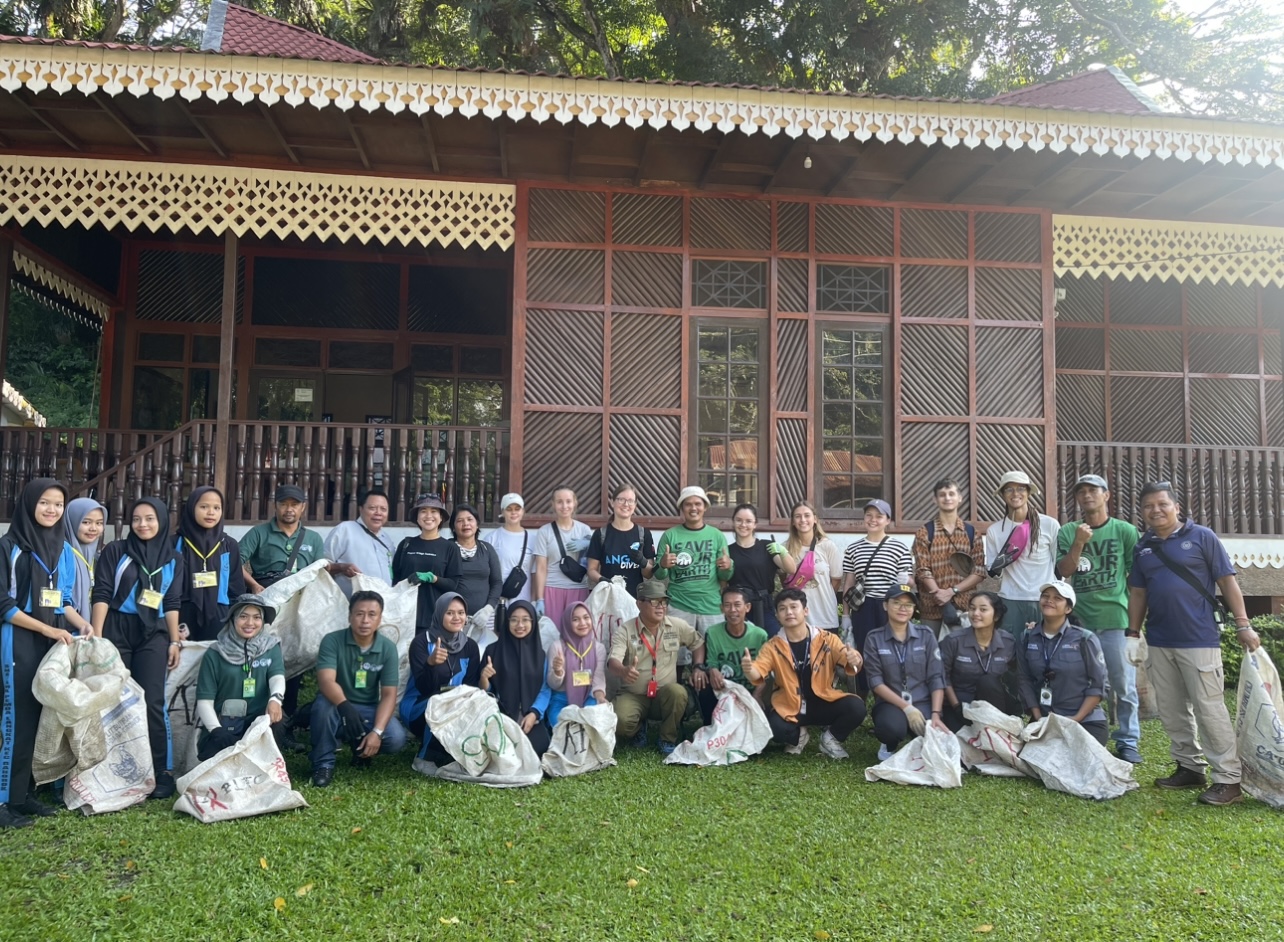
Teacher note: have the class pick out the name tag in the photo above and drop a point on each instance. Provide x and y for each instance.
(204, 580)
(150, 598)
(247, 687)
(581, 678)
(963, 659)
(360, 680)
(50, 598)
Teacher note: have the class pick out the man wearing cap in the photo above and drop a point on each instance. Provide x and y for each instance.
(937, 546)
(428, 560)
(870, 567)
(1021, 549)
(1177, 568)
(1061, 667)
(514, 545)
(644, 656)
(1095, 557)
(693, 559)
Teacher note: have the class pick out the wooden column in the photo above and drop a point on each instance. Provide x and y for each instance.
(222, 436)
(6, 273)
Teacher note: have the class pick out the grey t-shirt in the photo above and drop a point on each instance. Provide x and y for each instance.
(576, 540)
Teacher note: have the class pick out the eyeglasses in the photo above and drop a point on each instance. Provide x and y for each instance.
(658, 603)
(626, 502)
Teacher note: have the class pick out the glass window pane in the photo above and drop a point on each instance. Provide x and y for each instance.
(837, 347)
(287, 351)
(868, 350)
(353, 355)
(867, 384)
(434, 401)
(744, 418)
(713, 380)
(158, 397)
(712, 416)
(480, 402)
(202, 399)
(837, 383)
(852, 418)
(744, 382)
(167, 348)
(432, 358)
(713, 344)
(867, 420)
(744, 345)
(837, 418)
(205, 349)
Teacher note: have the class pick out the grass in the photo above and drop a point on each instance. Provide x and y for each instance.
(775, 848)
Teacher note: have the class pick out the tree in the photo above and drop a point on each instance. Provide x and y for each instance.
(53, 361)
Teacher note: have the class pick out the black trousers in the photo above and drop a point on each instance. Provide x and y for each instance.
(993, 689)
(22, 653)
(865, 619)
(841, 716)
(145, 652)
(229, 734)
(890, 724)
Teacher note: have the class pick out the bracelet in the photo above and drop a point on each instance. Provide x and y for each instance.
(178, 643)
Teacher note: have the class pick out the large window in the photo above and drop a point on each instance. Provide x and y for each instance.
(167, 365)
(852, 417)
(457, 384)
(728, 411)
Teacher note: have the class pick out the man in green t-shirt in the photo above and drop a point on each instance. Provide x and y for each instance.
(693, 559)
(724, 646)
(1095, 557)
(356, 690)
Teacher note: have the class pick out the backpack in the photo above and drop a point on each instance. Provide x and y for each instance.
(967, 528)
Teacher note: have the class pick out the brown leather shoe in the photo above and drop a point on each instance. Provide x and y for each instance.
(1183, 778)
(1222, 793)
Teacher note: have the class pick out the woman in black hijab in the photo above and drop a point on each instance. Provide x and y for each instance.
(137, 593)
(213, 562)
(513, 670)
(37, 575)
(441, 656)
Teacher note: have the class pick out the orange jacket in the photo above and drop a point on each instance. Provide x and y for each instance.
(775, 657)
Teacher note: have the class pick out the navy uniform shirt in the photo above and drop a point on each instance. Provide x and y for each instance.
(966, 665)
(1075, 655)
(1177, 615)
(920, 674)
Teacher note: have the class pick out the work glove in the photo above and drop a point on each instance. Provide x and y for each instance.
(1135, 651)
(914, 716)
(539, 607)
(429, 577)
(354, 727)
(776, 549)
(638, 558)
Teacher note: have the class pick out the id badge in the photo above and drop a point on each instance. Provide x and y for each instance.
(581, 678)
(204, 580)
(50, 598)
(360, 680)
(651, 689)
(802, 704)
(905, 695)
(1045, 697)
(247, 687)
(150, 598)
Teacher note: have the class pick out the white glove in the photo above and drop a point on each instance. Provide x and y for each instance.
(915, 717)
(1135, 650)
(485, 618)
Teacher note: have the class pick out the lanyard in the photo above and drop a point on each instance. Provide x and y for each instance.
(88, 565)
(650, 648)
(589, 647)
(204, 557)
(985, 665)
(1043, 648)
(805, 663)
(48, 571)
(899, 649)
(150, 574)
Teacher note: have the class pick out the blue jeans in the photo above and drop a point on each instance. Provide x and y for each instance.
(325, 731)
(1123, 681)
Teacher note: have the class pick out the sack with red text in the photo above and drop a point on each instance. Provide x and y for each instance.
(180, 704)
(583, 741)
(611, 606)
(930, 759)
(242, 781)
(739, 730)
(991, 743)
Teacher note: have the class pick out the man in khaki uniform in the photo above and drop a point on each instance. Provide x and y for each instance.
(644, 656)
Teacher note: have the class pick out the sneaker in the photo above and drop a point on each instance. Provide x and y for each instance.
(666, 748)
(639, 740)
(804, 737)
(321, 777)
(1128, 753)
(831, 746)
(1183, 777)
(884, 753)
(10, 819)
(1223, 793)
(164, 786)
(35, 809)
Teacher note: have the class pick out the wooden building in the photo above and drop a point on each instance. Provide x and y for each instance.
(309, 265)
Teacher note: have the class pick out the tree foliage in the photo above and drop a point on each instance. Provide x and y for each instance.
(53, 361)
(1224, 59)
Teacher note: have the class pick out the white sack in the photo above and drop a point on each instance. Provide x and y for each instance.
(244, 780)
(180, 702)
(488, 747)
(548, 633)
(991, 744)
(930, 759)
(611, 606)
(74, 697)
(583, 741)
(400, 609)
(1067, 759)
(1258, 730)
(309, 605)
(739, 730)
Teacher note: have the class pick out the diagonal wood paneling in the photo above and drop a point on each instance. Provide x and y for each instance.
(931, 451)
(1009, 294)
(854, 230)
(790, 464)
(1009, 372)
(791, 285)
(730, 224)
(185, 286)
(1147, 409)
(1145, 302)
(1223, 353)
(646, 451)
(1008, 237)
(1225, 412)
(1003, 448)
(1081, 348)
(1271, 355)
(566, 276)
(791, 227)
(1221, 305)
(928, 233)
(646, 279)
(564, 353)
(1085, 300)
(638, 219)
(646, 361)
(1155, 351)
(566, 216)
(934, 377)
(549, 438)
(792, 374)
(1275, 413)
(1081, 408)
(933, 291)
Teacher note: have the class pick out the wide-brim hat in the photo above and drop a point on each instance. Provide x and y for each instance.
(245, 601)
(692, 491)
(424, 501)
(1015, 477)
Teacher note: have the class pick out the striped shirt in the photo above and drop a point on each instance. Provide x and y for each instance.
(890, 563)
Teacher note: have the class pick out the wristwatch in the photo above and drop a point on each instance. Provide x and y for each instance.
(378, 732)
(699, 667)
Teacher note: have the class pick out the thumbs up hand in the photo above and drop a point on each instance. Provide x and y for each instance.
(559, 664)
(746, 663)
(487, 673)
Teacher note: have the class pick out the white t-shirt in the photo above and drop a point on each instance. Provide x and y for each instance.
(822, 601)
(1021, 581)
(576, 540)
(372, 553)
(508, 547)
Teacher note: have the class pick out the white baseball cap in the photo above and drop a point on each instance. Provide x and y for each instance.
(1063, 589)
(509, 499)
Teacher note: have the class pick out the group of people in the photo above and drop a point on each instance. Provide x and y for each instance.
(918, 637)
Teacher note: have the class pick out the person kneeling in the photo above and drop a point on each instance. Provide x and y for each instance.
(904, 668)
(357, 690)
(242, 677)
(513, 672)
(1062, 667)
(804, 659)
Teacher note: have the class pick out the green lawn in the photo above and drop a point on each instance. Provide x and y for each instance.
(774, 848)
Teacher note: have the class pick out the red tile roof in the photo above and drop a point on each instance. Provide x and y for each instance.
(1096, 90)
(239, 31)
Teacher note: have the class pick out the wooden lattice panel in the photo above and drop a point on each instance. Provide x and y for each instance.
(927, 387)
(1274, 414)
(1003, 448)
(566, 216)
(638, 219)
(792, 374)
(790, 465)
(1009, 372)
(791, 285)
(549, 438)
(1272, 359)
(1008, 237)
(1085, 300)
(927, 233)
(791, 227)
(185, 286)
(278, 204)
(1225, 412)
(933, 291)
(730, 224)
(929, 452)
(564, 353)
(1224, 353)
(1081, 348)
(1009, 294)
(1221, 305)
(1146, 351)
(1081, 408)
(646, 451)
(646, 279)
(854, 230)
(646, 361)
(1147, 409)
(566, 276)
(1145, 302)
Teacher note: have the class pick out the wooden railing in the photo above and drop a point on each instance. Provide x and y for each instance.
(1232, 490)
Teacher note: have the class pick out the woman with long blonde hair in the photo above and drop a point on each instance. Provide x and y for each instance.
(818, 566)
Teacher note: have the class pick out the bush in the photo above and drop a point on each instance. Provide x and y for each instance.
(1270, 628)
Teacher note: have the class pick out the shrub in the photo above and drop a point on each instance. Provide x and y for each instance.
(1270, 628)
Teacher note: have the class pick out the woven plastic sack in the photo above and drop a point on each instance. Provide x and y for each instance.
(583, 741)
(244, 780)
(75, 683)
(930, 759)
(400, 609)
(1258, 729)
(991, 743)
(611, 606)
(489, 748)
(739, 730)
(1067, 759)
(309, 605)
(180, 703)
